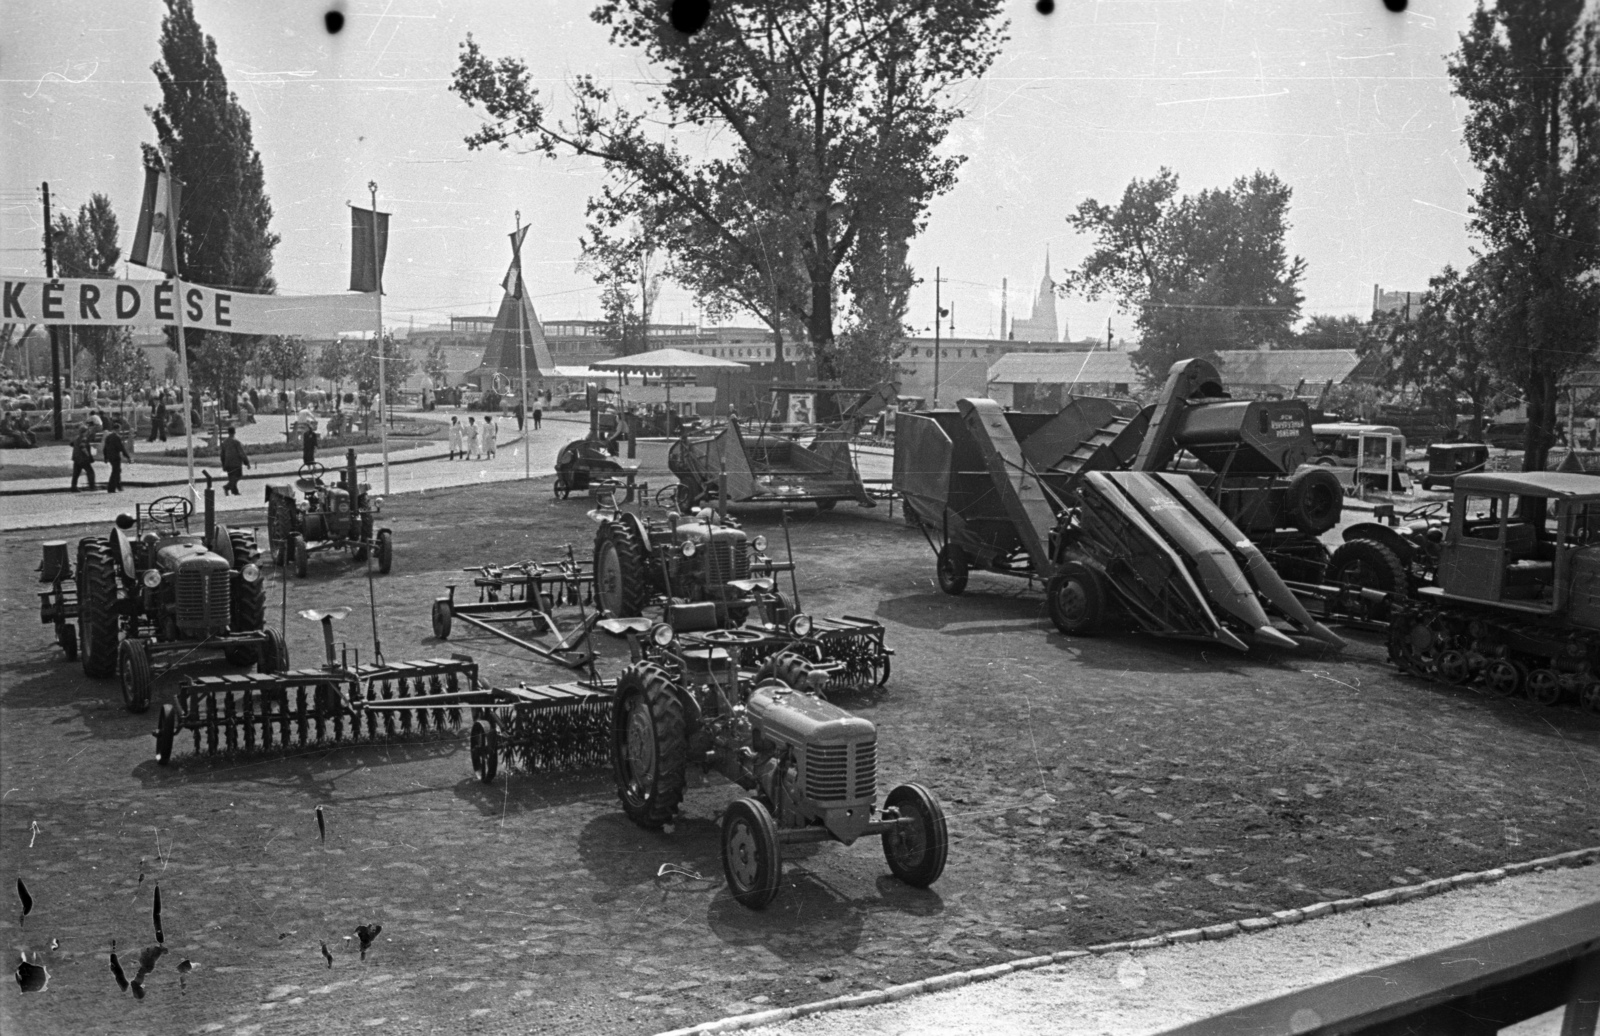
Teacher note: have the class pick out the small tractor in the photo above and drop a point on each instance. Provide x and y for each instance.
(341, 516)
(152, 587)
(810, 767)
(1517, 605)
(58, 606)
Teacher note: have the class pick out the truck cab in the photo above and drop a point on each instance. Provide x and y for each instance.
(1364, 456)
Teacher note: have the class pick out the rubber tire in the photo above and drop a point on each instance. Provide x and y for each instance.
(617, 548)
(273, 655)
(385, 551)
(97, 602)
(826, 505)
(1388, 572)
(135, 674)
(484, 746)
(299, 554)
(752, 858)
(249, 599)
(647, 711)
(166, 733)
(951, 568)
(917, 860)
(359, 553)
(1089, 614)
(1314, 501)
(69, 641)
(441, 619)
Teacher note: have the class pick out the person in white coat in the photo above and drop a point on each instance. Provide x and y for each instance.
(491, 435)
(455, 439)
(473, 444)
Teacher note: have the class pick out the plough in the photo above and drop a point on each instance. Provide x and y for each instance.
(527, 593)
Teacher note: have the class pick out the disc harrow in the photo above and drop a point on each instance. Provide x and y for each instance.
(555, 727)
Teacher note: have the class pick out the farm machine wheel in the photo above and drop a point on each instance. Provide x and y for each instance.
(1369, 564)
(826, 505)
(69, 642)
(359, 552)
(1076, 599)
(135, 674)
(751, 856)
(620, 590)
(1454, 668)
(250, 598)
(1505, 678)
(650, 746)
(1313, 500)
(441, 618)
(166, 732)
(1589, 697)
(952, 569)
(97, 603)
(1544, 687)
(485, 749)
(385, 551)
(273, 655)
(917, 854)
(298, 554)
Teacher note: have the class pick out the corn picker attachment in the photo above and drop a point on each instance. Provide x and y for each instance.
(334, 704)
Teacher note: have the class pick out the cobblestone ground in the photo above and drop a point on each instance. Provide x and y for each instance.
(1098, 789)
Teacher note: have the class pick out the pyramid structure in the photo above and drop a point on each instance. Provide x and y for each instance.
(500, 356)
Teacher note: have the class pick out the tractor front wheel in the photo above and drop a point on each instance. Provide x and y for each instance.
(952, 569)
(620, 587)
(1076, 599)
(166, 733)
(650, 746)
(137, 677)
(385, 551)
(97, 604)
(917, 851)
(249, 598)
(360, 551)
(752, 858)
(485, 750)
(441, 618)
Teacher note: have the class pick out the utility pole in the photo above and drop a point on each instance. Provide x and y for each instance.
(1005, 286)
(55, 342)
(383, 384)
(938, 315)
(522, 358)
(1108, 334)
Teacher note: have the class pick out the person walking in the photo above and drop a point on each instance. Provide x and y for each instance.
(472, 443)
(115, 450)
(491, 433)
(521, 413)
(538, 416)
(455, 437)
(82, 458)
(308, 444)
(234, 461)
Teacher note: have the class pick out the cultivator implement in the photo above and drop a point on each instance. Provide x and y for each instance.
(527, 594)
(555, 727)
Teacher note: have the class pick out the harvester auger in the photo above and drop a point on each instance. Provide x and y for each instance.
(337, 517)
(152, 588)
(335, 704)
(810, 767)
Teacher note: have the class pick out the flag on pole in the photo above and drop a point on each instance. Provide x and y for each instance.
(513, 281)
(155, 242)
(361, 265)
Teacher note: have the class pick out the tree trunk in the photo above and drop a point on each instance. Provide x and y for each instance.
(819, 328)
(1540, 392)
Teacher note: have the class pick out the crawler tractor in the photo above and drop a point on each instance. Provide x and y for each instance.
(810, 767)
(154, 588)
(340, 516)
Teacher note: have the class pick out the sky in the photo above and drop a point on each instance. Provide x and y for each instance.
(1348, 104)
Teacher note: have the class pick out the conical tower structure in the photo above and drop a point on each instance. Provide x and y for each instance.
(1042, 325)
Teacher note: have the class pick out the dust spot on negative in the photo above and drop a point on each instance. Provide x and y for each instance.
(1045, 6)
(333, 21)
(689, 16)
(1397, 6)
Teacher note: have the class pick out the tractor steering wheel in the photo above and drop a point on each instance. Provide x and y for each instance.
(315, 470)
(1427, 510)
(169, 510)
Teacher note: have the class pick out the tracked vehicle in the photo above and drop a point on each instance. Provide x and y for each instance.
(1517, 605)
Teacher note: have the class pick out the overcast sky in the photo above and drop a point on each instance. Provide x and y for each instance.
(1347, 103)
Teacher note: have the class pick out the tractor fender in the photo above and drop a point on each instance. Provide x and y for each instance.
(638, 528)
(1380, 533)
(222, 545)
(122, 548)
(692, 713)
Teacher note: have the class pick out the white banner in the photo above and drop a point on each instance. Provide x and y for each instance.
(116, 303)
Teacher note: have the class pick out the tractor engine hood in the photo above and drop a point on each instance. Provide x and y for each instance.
(701, 533)
(800, 718)
(189, 557)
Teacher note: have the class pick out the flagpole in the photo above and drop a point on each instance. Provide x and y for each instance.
(383, 384)
(522, 355)
(183, 347)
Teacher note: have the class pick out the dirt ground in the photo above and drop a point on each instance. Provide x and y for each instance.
(1098, 789)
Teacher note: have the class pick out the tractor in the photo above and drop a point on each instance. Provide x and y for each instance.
(340, 516)
(1517, 605)
(152, 587)
(810, 767)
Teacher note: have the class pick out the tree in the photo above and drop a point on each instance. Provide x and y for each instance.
(87, 247)
(1205, 272)
(283, 358)
(627, 270)
(224, 223)
(436, 364)
(825, 122)
(1323, 331)
(1527, 70)
(397, 365)
(1444, 352)
(335, 363)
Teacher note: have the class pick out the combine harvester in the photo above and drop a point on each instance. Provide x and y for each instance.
(1083, 500)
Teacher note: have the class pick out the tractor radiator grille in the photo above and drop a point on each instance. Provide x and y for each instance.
(842, 773)
(726, 561)
(204, 599)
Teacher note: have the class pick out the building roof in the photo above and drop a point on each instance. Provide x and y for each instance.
(1532, 483)
(1286, 367)
(659, 360)
(1064, 368)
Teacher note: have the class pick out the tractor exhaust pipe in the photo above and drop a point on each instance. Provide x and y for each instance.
(211, 509)
(350, 469)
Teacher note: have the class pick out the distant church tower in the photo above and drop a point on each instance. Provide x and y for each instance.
(1042, 325)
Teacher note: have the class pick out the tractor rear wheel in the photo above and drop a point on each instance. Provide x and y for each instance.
(752, 858)
(385, 551)
(97, 603)
(166, 732)
(916, 852)
(249, 598)
(137, 677)
(952, 568)
(298, 554)
(485, 750)
(1371, 565)
(1076, 598)
(620, 588)
(649, 746)
(441, 618)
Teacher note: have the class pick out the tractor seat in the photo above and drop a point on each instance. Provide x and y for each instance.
(307, 485)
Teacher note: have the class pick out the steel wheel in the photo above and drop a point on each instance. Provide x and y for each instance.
(916, 852)
(1544, 687)
(752, 859)
(1505, 677)
(485, 749)
(166, 731)
(1454, 667)
(1589, 697)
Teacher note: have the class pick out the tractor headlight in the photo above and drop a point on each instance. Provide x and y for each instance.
(152, 578)
(250, 573)
(800, 625)
(760, 544)
(661, 634)
(689, 548)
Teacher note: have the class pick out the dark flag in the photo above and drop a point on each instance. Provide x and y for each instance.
(362, 275)
(155, 240)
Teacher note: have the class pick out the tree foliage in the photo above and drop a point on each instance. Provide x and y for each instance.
(1527, 70)
(1324, 331)
(336, 361)
(283, 358)
(817, 129)
(1204, 272)
(397, 364)
(87, 247)
(1443, 355)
